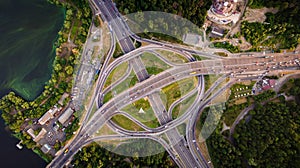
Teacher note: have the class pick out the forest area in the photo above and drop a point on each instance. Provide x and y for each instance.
(279, 31)
(95, 156)
(193, 10)
(179, 18)
(268, 136)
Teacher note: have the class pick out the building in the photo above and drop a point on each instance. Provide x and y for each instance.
(31, 133)
(48, 115)
(46, 148)
(65, 116)
(40, 135)
(272, 82)
(268, 84)
(217, 31)
(223, 7)
(223, 12)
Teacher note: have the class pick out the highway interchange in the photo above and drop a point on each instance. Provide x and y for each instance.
(182, 148)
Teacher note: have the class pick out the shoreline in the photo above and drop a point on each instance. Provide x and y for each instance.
(53, 87)
(50, 65)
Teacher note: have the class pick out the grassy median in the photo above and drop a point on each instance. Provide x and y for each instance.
(126, 123)
(181, 108)
(176, 90)
(153, 64)
(173, 57)
(130, 81)
(116, 74)
(143, 112)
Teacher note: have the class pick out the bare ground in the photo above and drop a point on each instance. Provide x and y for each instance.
(258, 15)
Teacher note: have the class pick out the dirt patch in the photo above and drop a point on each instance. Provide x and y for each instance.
(205, 152)
(298, 48)
(258, 15)
(65, 49)
(240, 101)
(245, 45)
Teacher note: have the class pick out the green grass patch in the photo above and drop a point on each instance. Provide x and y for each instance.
(287, 86)
(126, 123)
(221, 54)
(75, 28)
(240, 89)
(118, 51)
(227, 46)
(154, 65)
(39, 152)
(198, 57)
(181, 108)
(107, 97)
(116, 74)
(231, 113)
(181, 129)
(160, 37)
(153, 70)
(176, 90)
(173, 57)
(130, 81)
(148, 117)
(210, 80)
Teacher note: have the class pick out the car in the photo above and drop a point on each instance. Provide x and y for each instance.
(66, 151)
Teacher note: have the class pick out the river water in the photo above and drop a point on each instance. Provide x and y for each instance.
(28, 29)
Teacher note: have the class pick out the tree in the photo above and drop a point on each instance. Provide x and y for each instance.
(69, 70)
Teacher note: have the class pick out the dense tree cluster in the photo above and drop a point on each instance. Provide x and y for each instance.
(284, 35)
(193, 10)
(295, 90)
(271, 3)
(226, 45)
(96, 156)
(272, 137)
(151, 22)
(232, 111)
(222, 152)
(281, 30)
(264, 96)
(72, 128)
(269, 136)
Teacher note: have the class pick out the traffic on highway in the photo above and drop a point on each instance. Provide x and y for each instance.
(182, 148)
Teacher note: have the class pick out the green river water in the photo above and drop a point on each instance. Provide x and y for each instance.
(28, 29)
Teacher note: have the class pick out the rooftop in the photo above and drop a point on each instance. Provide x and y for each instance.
(31, 133)
(46, 117)
(40, 135)
(65, 116)
(46, 148)
(217, 31)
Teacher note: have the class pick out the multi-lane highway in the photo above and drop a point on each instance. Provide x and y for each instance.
(148, 86)
(183, 150)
